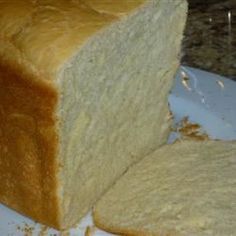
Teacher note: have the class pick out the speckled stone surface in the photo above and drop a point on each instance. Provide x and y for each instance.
(210, 36)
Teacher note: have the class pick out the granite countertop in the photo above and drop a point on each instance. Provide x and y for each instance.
(210, 36)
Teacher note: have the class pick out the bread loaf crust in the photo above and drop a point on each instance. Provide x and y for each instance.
(47, 33)
(28, 145)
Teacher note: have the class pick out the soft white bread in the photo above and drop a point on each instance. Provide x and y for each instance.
(83, 94)
(184, 189)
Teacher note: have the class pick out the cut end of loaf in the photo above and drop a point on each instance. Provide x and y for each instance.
(120, 113)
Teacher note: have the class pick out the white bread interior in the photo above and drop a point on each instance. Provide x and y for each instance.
(115, 113)
(183, 189)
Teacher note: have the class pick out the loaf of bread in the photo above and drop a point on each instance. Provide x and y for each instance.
(184, 189)
(83, 95)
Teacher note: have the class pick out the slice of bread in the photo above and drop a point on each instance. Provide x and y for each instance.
(187, 188)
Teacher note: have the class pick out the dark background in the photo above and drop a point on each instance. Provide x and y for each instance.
(210, 36)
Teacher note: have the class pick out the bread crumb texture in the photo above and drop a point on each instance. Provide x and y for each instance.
(187, 188)
(190, 130)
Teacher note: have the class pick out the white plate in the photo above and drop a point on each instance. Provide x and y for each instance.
(206, 98)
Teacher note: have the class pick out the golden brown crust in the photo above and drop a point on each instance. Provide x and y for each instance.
(28, 145)
(47, 33)
(119, 231)
(111, 7)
